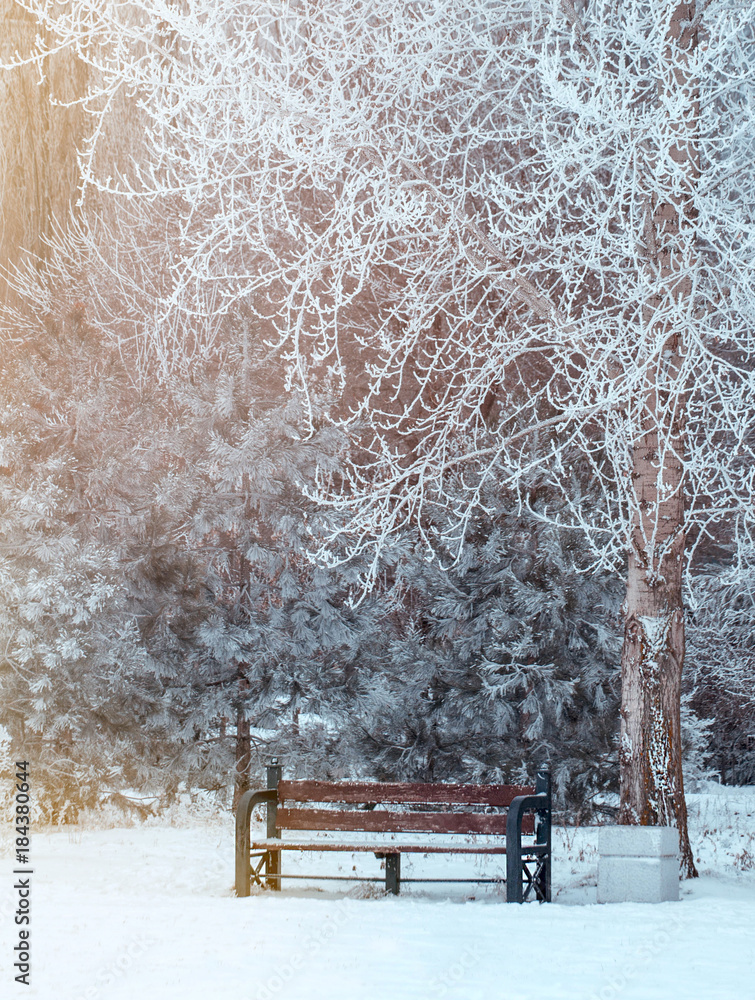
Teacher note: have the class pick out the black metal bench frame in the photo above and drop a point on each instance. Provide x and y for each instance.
(528, 865)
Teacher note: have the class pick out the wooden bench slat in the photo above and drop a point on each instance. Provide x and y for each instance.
(397, 791)
(390, 847)
(383, 821)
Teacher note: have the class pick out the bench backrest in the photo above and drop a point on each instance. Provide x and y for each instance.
(452, 809)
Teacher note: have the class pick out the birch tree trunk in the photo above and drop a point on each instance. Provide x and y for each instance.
(652, 784)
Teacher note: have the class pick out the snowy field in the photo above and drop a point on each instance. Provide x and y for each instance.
(147, 911)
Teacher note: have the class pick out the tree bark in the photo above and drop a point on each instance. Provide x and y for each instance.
(39, 173)
(243, 745)
(240, 572)
(652, 784)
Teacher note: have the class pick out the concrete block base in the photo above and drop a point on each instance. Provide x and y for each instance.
(638, 864)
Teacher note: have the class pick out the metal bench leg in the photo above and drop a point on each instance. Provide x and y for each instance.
(273, 866)
(393, 873)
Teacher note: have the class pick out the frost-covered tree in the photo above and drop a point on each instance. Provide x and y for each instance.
(281, 625)
(199, 497)
(159, 599)
(79, 694)
(509, 229)
(502, 662)
(721, 666)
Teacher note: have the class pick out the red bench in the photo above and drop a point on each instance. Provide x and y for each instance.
(296, 807)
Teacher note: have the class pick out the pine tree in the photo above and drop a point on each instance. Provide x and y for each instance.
(721, 679)
(79, 697)
(503, 661)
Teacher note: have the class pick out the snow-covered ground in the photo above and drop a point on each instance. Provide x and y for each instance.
(147, 911)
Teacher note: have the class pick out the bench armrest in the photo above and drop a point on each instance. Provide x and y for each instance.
(540, 803)
(247, 802)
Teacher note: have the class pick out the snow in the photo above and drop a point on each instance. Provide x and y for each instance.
(656, 631)
(147, 911)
